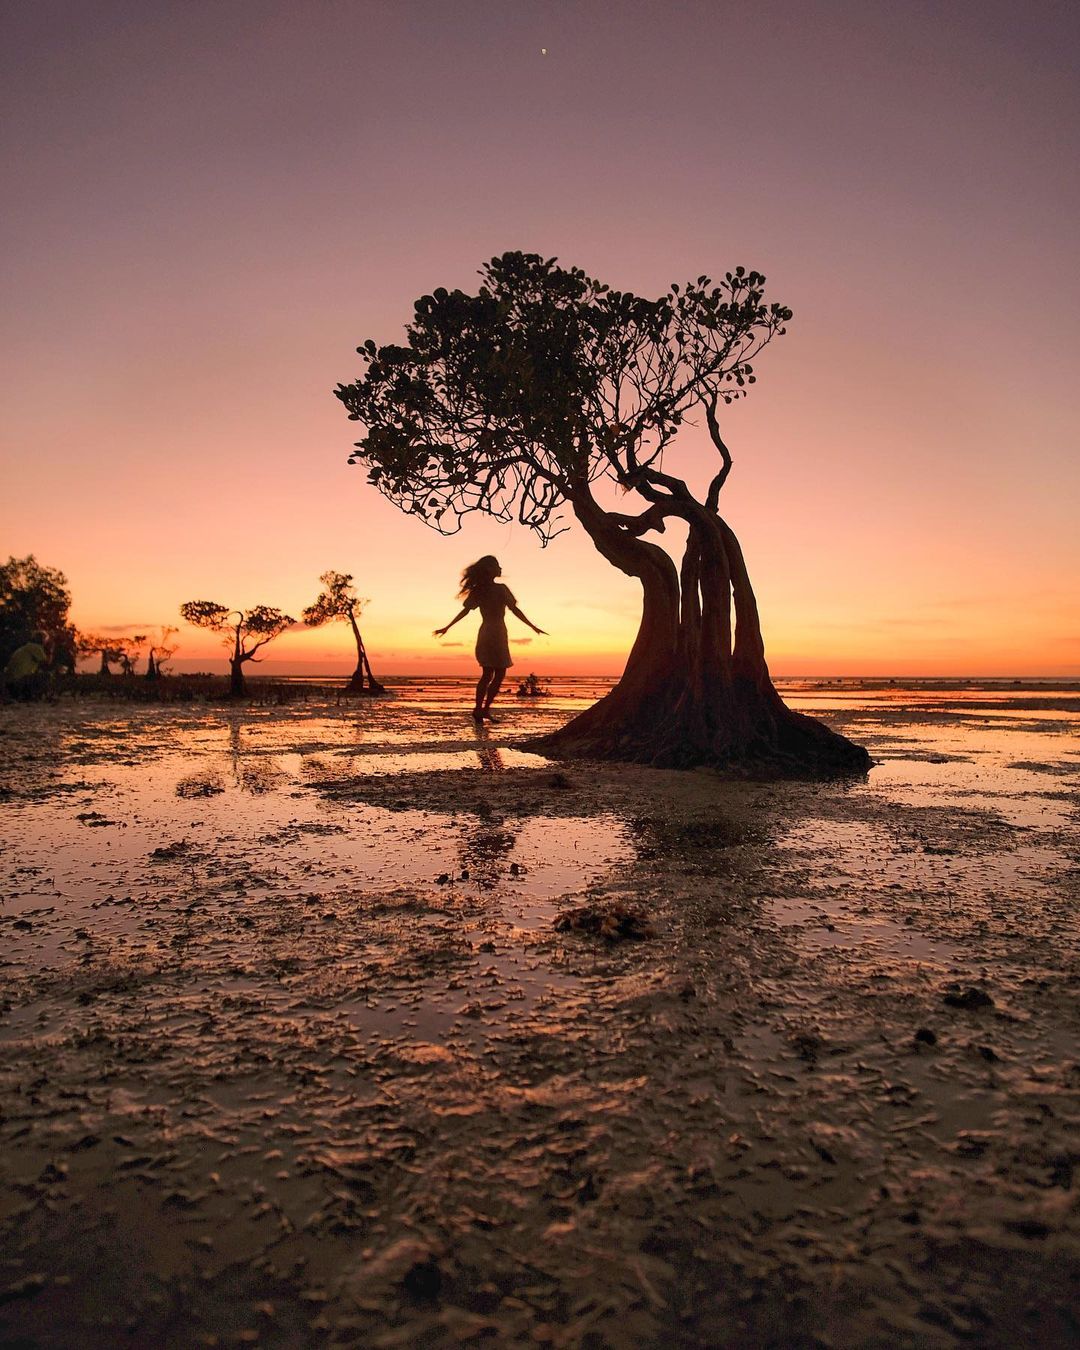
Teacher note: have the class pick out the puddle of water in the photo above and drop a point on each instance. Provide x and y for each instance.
(232, 810)
(225, 798)
(486, 757)
(1027, 800)
(1025, 775)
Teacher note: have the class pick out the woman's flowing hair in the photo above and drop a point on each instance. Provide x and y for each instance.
(478, 575)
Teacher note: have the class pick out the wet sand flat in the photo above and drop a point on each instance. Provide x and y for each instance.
(292, 1051)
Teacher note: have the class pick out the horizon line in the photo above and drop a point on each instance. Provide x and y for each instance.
(568, 676)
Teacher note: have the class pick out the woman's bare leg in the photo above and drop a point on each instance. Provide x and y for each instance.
(494, 685)
(487, 674)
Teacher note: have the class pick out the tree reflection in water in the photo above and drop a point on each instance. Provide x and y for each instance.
(252, 773)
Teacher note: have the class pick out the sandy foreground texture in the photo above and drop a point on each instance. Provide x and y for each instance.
(292, 1052)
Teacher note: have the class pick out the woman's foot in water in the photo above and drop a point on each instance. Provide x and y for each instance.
(478, 714)
(489, 716)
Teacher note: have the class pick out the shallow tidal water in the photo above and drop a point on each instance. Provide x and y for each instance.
(287, 1026)
(126, 802)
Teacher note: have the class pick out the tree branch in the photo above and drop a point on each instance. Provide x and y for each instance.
(650, 519)
(713, 496)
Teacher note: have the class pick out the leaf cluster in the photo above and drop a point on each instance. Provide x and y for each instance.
(33, 598)
(256, 626)
(337, 600)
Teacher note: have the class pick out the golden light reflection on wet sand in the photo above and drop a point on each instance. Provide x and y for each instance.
(292, 1047)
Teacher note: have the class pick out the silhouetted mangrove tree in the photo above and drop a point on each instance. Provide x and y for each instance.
(339, 602)
(528, 395)
(245, 632)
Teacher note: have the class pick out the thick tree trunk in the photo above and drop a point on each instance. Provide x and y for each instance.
(373, 685)
(237, 687)
(151, 668)
(362, 682)
(614, 728)
(697, 691)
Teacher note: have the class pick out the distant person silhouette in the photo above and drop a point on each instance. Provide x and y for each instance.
(27, 660)
(26, 672)
(481, 591)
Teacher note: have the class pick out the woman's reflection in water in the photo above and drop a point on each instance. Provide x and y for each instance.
(489, 755)
(485, 844)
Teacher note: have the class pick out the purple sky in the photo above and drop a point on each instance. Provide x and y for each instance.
(209, 205)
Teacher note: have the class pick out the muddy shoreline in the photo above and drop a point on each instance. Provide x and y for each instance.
(292, 1052)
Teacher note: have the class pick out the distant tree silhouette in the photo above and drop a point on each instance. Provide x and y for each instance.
(160, 651)
(125, 652)
(245, 632)
(524, 398)
(338, 601)
(131, 652)
(111, 650)
(35, 599)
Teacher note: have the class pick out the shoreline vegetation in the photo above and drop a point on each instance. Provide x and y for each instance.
(198, 684)
(194, 688)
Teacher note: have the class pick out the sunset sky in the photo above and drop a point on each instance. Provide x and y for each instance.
(211, 203)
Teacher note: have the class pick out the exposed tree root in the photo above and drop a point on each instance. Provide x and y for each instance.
(751, 733)
(696, 689)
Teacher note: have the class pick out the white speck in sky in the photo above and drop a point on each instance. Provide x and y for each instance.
(543, 51)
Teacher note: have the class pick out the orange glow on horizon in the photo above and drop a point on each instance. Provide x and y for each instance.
(958, 638)
(194, 256)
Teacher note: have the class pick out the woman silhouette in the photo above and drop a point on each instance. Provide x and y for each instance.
(480, 590)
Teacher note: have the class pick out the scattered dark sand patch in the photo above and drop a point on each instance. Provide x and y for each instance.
(613, 920)
(1057, 770)
(541, 791)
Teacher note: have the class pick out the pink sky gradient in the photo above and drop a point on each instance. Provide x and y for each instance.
(210, 205)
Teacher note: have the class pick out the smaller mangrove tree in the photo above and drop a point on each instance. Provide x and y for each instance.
(245, 631)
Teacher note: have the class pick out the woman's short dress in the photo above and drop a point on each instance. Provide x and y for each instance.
(492, 641)
(493, 645)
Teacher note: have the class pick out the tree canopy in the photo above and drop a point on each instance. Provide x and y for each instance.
(519, 400)
(33, 599)
(512, 400)
(338, 599)
(244, 630)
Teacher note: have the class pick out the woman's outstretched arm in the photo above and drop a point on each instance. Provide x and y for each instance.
(457, 617)
(528, 622)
